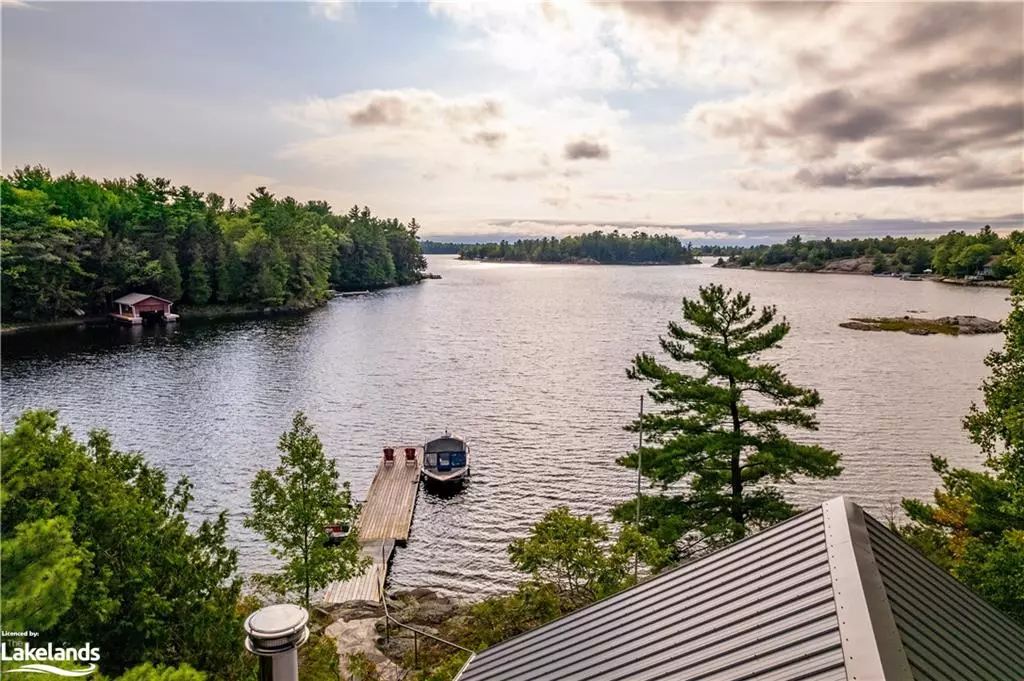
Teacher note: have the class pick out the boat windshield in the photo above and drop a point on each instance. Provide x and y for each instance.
(444, 461)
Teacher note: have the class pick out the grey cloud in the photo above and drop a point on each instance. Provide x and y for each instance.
(401, 110)
(962, 175)
(382, 110)
(1006, 71)
(940, 22)
(860, 176)
(586, 149)
(488, 138)
(982, 128)
(534, 174)
(473, 114)
(689, 15)
(519, 175)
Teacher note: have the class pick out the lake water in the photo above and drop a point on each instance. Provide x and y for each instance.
(526, 361)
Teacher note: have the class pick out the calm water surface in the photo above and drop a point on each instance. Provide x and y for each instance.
(528, 362)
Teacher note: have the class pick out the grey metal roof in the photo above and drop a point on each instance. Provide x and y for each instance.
(828, 595)
(133, 298)
(946, 630)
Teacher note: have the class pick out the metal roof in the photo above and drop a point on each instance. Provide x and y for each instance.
(828, 595)
(134, 298)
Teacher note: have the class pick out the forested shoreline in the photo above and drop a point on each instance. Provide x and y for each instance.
(955, 254)
(72, 244)
(638, 248)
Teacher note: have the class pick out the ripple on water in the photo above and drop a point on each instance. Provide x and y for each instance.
(528, 362)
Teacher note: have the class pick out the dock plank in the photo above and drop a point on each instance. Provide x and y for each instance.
(384, 522)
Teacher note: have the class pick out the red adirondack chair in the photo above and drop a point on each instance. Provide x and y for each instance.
(410, 456)
(389, 456)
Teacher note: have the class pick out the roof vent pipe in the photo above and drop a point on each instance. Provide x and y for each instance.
(275, 634)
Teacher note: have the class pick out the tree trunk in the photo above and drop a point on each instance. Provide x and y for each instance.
(736, 506)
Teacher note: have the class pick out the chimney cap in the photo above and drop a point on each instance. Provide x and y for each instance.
(276, 629)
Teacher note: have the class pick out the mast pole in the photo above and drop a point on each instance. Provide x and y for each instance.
(639, 467)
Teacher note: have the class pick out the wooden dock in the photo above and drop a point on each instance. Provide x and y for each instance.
(384, 522)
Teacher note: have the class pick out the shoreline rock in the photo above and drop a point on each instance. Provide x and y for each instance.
(920, 326)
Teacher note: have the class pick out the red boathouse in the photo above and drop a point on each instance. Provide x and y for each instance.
(135, 308)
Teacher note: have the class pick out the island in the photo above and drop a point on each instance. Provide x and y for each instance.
(919, 326)
(981, 259)
(594, 248)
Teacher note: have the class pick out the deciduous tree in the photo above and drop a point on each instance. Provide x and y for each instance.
(292, 505)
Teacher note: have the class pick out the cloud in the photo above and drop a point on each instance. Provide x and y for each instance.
(581, 149)
(332, 10)
(488, 138)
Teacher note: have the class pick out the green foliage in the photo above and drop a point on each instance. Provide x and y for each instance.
(721, 428)
(318, 659)
(613, 248)
(441, 247)
(575, 555)
(149, 587)
(168, 283)
(361, 668)
(292, 505)
(975, 526)
(571, 561)
(198, 283)
(41, 571)
(955, 254)
(71, 242)
(147, 672)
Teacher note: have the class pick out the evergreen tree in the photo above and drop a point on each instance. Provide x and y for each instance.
(292, 505)
(169, 281)
(719, 434)
(975, 527)
(96, 548)
(198, 282)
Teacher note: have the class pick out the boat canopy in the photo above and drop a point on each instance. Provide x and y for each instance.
(447, 443)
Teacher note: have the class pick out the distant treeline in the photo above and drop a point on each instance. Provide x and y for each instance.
(75, 243)
(614, 248)
(956, 254)
(441, 247)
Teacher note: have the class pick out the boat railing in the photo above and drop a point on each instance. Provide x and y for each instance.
(389, 619)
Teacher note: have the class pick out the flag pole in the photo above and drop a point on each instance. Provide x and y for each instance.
(639, 467)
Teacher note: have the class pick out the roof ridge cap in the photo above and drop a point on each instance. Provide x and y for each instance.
(872, 647)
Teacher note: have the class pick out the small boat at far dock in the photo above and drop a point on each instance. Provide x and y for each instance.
(445, 461)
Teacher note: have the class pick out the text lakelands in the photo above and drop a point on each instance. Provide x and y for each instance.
(28, 652)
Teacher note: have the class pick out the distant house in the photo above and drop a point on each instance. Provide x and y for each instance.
(829, 595)
(135, 308)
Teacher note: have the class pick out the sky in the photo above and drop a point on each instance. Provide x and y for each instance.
(730, 122)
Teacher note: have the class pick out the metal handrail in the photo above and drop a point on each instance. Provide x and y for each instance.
(416, 632)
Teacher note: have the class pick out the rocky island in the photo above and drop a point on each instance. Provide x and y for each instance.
(919, 326)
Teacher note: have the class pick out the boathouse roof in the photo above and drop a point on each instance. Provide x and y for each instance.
(829, 595)
(136, 298)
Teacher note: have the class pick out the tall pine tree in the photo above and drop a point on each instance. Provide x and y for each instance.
(717, 447)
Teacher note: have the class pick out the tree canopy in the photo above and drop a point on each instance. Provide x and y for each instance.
(613, 248)
(718, 446)
(292, 505)
(975, 526)
(72, 242)
(95, 548)
(955, 254)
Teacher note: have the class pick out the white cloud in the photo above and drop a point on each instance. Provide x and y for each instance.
(332, 10)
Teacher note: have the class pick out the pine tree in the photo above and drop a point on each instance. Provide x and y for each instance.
(198, 282)
(169, 281)
(290, 508)
(975, 527)
(718, 438)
